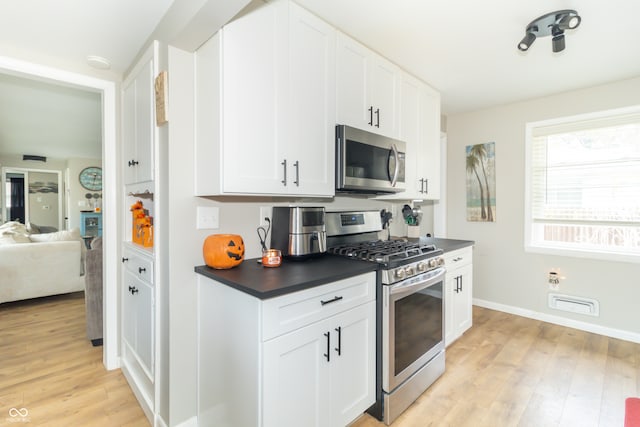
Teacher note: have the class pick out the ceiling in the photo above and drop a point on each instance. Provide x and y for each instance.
(466, 50)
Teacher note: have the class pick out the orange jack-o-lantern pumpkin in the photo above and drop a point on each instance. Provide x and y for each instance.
(223, 251)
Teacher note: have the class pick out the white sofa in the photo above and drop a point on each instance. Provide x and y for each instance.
(49, 264)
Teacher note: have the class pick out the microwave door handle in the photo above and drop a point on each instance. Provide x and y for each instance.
(396, 170)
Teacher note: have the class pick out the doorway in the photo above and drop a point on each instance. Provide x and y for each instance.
(33, 196)
(107, 90)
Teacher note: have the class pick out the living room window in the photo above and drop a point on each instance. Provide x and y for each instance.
(582, 195)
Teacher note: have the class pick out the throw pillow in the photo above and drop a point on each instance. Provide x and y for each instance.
(32, 228)
(57, 236)
(11, 238)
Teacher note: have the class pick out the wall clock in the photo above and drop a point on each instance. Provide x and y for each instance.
(91, 178)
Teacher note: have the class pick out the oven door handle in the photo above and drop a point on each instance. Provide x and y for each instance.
(417, 283)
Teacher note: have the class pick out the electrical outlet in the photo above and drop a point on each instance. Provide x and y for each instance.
(265, 212)
(554, 281)
(208, 217)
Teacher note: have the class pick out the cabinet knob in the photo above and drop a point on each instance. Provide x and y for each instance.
(125, 259)
(133, 290)
(132, 162)
(141, 270)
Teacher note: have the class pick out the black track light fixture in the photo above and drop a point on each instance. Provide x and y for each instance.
(552, 24)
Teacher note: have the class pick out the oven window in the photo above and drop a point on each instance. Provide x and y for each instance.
(418, 325)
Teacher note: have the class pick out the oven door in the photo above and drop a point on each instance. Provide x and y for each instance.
(413, 326)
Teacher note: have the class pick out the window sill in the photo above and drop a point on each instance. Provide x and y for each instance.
(590, 254)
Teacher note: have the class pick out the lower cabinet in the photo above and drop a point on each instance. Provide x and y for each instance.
(138, 331)
(320, 373)
(459, 293)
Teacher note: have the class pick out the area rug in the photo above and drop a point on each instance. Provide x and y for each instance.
(632, 412)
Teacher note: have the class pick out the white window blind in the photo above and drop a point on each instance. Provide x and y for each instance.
(584, 184)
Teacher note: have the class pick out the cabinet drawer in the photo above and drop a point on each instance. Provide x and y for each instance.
(458, 258)
(139, 265)
(293, 311)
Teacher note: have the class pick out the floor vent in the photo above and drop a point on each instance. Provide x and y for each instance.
(574, 304)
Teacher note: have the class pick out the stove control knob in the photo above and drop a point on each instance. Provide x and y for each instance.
(409, 271)
(399, 273)
(421, 266)
(433, 263)
(440, 261)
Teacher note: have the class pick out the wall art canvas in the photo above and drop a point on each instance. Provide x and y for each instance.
(481, 182)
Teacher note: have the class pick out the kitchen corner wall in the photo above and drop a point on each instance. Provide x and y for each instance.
(505, 276)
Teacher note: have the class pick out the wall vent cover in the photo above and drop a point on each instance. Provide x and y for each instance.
(574, 304)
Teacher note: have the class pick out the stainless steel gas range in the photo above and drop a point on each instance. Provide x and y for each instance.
(410, 326)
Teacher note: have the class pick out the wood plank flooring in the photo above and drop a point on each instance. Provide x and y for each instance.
(512, 371)
(505, 371)
(50, 369)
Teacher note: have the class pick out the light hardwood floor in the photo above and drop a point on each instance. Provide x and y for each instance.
(512, 371)
(505, 371)
(50, 368)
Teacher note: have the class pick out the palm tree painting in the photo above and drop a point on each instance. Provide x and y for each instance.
(481, 182)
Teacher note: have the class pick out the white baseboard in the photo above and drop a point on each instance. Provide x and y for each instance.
(160, 422)
(191, 422)
(562, 321)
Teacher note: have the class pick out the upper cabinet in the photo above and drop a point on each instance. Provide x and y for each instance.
(265, 105)
(419, 128)
(368, 88)
(138, 124)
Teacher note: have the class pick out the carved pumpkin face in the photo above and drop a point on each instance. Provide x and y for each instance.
(223, 251)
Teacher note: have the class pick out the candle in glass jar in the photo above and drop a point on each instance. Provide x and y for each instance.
(271, 258)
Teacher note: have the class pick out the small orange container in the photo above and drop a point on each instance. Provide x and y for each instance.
(271, 258)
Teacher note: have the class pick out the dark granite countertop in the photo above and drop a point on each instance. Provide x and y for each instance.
(448, 245)
(292, 276)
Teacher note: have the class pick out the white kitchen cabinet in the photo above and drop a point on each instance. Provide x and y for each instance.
(291, 359)
(459, 293)
(265, 105)
(138, 124)
(138, 320)
(419, 119)
(368, 88)
(140, 294)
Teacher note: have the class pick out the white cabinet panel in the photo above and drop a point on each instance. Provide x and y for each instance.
(368, 88)
(277, 92)
(296, 378)
(138, 125)
(459, 293)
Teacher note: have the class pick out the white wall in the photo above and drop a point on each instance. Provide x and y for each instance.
(77, 200)
(503, 272)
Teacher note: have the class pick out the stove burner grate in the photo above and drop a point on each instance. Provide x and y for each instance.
(383, 251)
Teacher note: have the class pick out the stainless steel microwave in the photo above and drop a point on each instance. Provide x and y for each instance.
(368, 163)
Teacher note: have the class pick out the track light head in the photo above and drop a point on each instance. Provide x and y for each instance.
(551, 24)
(527, 41)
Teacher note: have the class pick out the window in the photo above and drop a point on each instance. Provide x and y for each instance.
(583, 186)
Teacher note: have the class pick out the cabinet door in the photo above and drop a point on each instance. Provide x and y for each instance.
(145, 326)
(458, 302)
(129, 307)
(253, 48)
(296, 377)
(144, 105)
(384, 90)
(352, 80)
(463, 300)
(429, 146)
(353, 375)
(310, 126)
(129, 132)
